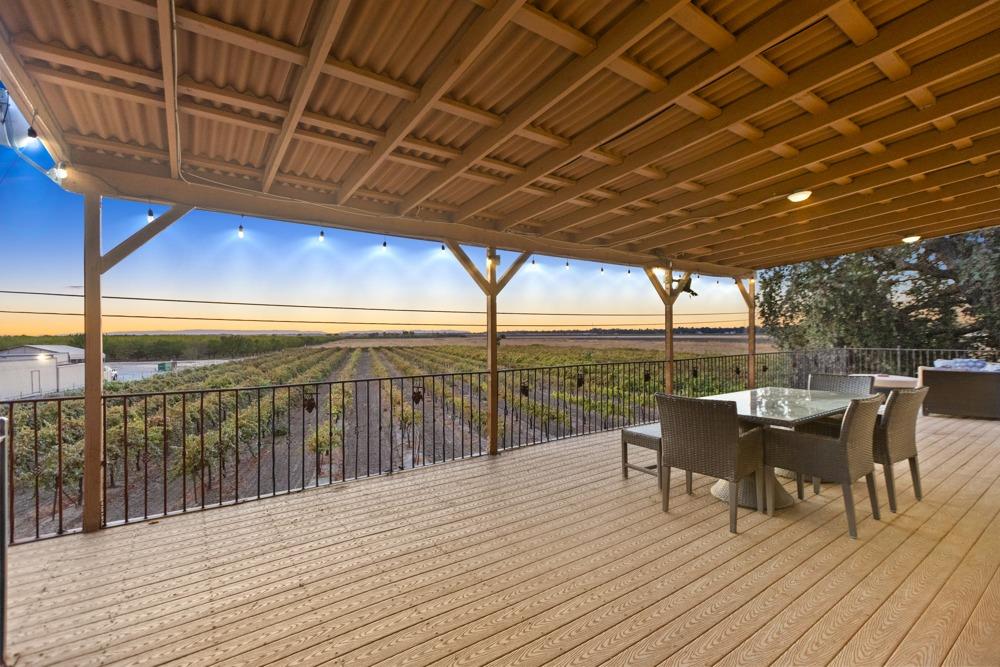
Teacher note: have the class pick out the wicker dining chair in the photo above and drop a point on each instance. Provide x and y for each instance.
(855, 385)
(704, 436)
(896, 438)
(842, 459)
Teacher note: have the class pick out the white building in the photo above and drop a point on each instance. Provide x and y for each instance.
(33, 370)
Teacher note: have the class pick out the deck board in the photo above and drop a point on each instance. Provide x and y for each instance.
(541, 555)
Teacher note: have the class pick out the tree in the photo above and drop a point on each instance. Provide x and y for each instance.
(940, 293)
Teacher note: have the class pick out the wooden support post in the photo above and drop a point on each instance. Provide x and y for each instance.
(491, 287)
(93, 452)
(749, 292)
(94, 265)
(668, 294)
(491, 351)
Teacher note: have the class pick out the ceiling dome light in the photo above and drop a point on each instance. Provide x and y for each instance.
(239, 231)
(801, 195)
(913, 238)
(149, 215)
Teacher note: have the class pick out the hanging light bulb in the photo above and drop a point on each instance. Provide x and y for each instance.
(58, 172)
(149, 215)
(322, 236)
(567, 266)
(239, 231)
(602, 269)
(385, 245)
(442, 247)
(532, 262)
(628, 272)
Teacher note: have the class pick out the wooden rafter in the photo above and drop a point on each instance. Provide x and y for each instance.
(909, 28)
(850, 175)
(168, 65)
(902, 212)
(621, 36)
(930, 71)
(930, 170)
(900, 109)
(755, 40)
(454, 62)
(329, 20)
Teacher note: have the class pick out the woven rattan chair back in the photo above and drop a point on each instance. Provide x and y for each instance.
(857, 433)
(857, 385)
(700, 435)
(896, 433)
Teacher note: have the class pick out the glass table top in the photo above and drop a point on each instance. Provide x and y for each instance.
(783, 406)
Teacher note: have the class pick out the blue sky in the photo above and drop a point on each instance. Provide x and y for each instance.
(201, 257)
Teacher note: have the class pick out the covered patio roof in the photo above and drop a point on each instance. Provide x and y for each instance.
(621, 131)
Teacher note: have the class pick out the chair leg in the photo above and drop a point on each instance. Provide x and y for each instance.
(659, 474)
(734, 492)
(873, 495)
(890, 485)
(665, 488)
(816, 485)
(624, 459)
(852, 524)
(798, 486)
(915, 473)
(688, 479)
(770, 482)
(759, 483)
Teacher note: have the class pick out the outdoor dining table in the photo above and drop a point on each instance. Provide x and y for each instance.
(777, 406)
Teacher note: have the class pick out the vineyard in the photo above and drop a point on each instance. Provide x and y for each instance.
(304, 417)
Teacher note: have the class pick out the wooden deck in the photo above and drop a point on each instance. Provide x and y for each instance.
(540, 555)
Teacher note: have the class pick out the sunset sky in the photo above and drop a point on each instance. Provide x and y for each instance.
(201, 257)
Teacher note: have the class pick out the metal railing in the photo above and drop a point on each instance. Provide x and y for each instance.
(177, 451)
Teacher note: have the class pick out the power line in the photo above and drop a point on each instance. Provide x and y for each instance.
(396, 324)
(356, 308)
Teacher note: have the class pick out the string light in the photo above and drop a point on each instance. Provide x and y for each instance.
(385, 245)
(58, 172)
(149, 215)
(532, 262)
(442, 247)
(32, 134)
(239, 231)
(602, 269)
(322, 236)
(567, 266)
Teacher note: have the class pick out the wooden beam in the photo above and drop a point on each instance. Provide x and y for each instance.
(135, 180)
(492, 353)
(963, 225)
(629, 30)
(512, 270)
(93, 382)
(749, 293)
(762, 204)
(977, 195)
(856, 202)
(141, 236)
(328, 23)
(453, 63)
(898, 33)
(756, 39)
(469, 266)
(29, 100)
(168, 66)
(940, 67)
